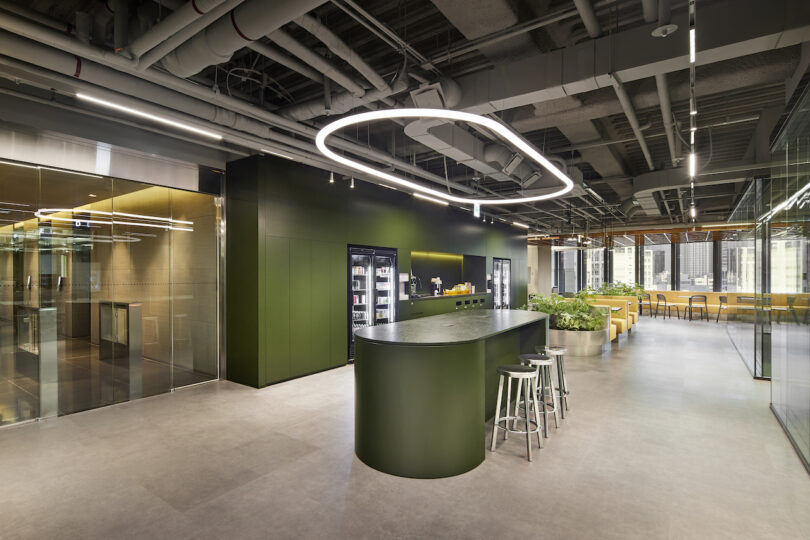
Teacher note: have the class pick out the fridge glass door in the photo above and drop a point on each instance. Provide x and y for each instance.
(506, 274)
(497, 283)
(362, 293)
(384, 270)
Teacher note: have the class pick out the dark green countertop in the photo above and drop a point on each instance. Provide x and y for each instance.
(450, 328)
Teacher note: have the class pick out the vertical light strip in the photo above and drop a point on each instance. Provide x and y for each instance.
(691, 45)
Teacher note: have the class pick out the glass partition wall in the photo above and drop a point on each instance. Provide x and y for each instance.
(785, 298)
(108, 290)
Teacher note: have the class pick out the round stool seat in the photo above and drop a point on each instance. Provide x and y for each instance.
(517, 371)
(535, 360)
(556, 350)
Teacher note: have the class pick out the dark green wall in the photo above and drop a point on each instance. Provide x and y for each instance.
(287, 235)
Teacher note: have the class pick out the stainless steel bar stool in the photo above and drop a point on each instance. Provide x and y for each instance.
(526, 378)
(542, 363)
(559, 353)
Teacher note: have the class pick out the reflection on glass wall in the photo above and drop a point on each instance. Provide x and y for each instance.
(696, 266)
(658, 267)
(108, 291)
(786, 223)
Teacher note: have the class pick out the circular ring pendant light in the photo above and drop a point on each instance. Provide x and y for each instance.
(503, 131)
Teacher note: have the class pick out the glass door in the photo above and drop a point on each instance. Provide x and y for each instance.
(384, 271)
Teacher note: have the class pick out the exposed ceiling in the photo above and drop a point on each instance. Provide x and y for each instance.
(269, 75)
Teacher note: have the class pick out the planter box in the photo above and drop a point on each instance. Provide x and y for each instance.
(579, 343)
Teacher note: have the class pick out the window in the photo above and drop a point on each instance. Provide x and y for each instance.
(696, 273)
(569, 271)
(594, 267)
(657, 265)
(624, 264)
(737, 260)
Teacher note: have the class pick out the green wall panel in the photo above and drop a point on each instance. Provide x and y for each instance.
(277, 307)
(287, 235)
(301, 328)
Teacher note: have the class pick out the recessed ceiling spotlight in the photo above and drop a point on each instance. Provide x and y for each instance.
(489, 123)
(92, 195)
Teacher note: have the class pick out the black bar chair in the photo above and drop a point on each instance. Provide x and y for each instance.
(667, 308)
(694, 303)
(723, 305)
(645, 300)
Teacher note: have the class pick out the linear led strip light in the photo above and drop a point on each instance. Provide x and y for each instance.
(47, 213)
(148, 116)
(497, 127)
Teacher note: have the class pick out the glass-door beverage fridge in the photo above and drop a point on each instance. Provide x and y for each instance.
(372, 288)
(501, 282)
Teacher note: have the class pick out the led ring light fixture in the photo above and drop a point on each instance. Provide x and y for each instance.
(497, 127)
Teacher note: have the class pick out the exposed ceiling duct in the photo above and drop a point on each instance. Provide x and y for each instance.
(176, 21)
(341, 50)
(586, 13)
(248, 22)
(286, 41)
(666, 115)
(276, 55)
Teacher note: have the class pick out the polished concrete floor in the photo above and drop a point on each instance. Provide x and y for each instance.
(668, 437)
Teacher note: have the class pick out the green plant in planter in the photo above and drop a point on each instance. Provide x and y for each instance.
(576, 315)
(620, 289)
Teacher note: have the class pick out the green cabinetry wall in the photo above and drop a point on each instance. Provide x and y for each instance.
(288, 231)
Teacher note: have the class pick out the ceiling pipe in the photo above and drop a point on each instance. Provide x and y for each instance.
(318, 62)
(339, 47)
(666, 114)
(84, 26)
(169, 26)
(627, 105)
(285, 60)
(184, 34)
(22, 11)
(120, 9)
(650, 10)
(588, 16)
(248, 22)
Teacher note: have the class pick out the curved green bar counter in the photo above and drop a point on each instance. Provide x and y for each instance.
(424, 388)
